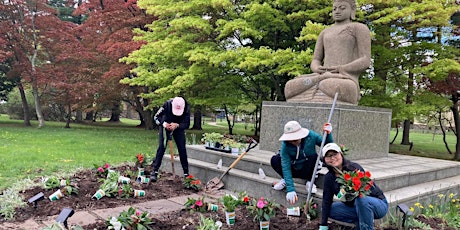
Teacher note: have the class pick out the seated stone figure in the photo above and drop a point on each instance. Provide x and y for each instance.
(342, 53)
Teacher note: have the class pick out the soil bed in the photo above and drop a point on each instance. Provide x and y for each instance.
(166, 187)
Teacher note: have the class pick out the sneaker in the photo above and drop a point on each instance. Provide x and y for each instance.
(280, 185)
(307, 186)
(154, 177)
(185, 175)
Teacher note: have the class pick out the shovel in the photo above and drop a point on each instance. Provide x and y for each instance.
(216, 182)
(171, 152)
(307, 204)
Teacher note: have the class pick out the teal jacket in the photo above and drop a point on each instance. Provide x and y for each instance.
(288, 153)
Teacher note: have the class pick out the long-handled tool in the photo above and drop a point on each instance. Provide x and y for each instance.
(216, 182)
(171, 152)
(307, 204)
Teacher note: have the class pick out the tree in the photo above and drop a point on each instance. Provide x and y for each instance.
(443, 78)
(400, 49)
(23, 25)
(113, 40)
(196, 47)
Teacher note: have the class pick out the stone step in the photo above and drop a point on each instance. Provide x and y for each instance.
(392, 172)
(402, 178)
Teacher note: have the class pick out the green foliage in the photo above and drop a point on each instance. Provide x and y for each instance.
(110, 184)
(131, 219)
(207, 224)
(125, 191)
(262, 209)
(192, 182)
(70, 187)
(195, 205)
(9, 201)
(59, 226)
(14, 107)
(229, 202)
(52, 183)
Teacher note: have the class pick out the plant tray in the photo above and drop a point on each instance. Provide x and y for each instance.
(218, 149)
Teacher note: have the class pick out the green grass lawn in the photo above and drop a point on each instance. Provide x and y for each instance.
(30, 152)
(424, 145)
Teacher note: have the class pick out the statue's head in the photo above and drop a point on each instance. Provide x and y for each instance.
(352, 4)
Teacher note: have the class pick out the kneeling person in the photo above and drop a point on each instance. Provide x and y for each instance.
(297, 156)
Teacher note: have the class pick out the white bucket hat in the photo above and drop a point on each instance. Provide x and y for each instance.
(330, 146)
(293, 131)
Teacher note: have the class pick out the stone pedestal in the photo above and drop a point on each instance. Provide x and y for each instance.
(364, 130)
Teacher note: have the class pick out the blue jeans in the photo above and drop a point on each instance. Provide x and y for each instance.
(363, 213)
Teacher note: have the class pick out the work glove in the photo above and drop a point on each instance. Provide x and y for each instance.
(157, 121)
(291, 197)
(327, 128)
(323, 228)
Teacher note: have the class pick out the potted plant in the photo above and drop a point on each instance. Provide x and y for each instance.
(51, 183)
(130, 219)
(230, 203)
(262, 210)
(102, 170)
(109, 186)
(210, 139)
(192, 182)
(208, 224)
(125, 191)
(140, 164)
(69, 187)
(195, 205)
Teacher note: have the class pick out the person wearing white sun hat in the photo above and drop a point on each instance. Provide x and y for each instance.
(174, 118)
(297, 156)
(362, 210)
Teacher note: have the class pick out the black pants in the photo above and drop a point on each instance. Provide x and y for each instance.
(305, 172)
(179, 138)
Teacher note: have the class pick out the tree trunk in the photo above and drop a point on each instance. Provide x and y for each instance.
(115, 117)
(79, 116)
(257, 120)
(89, 116)
(197, 119)
(38, 107)
(397, 132)
(406, 130)
(25, 106)
(229, 123)
(68, 116)
(454, 109)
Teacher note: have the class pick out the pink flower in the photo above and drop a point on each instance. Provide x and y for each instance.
(260, 203)
(314, 206)
(138, 213)
(100, 169)
(106, 166)
(199, 203)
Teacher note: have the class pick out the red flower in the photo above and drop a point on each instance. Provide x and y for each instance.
(190, 176)
(368, 186)
(347, 176)
(368, 174)
(195, 182)
(356, 183)
(360, 174)
(246, 199)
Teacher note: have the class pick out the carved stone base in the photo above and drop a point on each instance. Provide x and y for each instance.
(365, 130)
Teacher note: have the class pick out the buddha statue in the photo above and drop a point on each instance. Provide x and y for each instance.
(342, 52)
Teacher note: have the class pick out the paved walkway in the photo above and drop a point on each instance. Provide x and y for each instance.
(88, 217)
